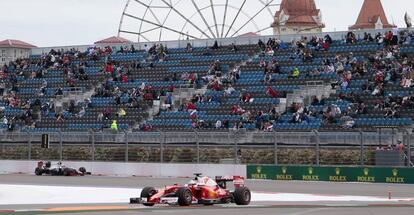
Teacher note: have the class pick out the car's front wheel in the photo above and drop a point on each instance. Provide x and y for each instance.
(146, 193)
(82, 170)
(242, 196)
(38, 171)
(185, 196)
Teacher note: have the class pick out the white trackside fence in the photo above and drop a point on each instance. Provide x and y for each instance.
(131, 169)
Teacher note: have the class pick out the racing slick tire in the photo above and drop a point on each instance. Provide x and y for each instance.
(66, 172)
(38, 171)
(82, 170)
(242, 196)
(147, 192)
(185, 196)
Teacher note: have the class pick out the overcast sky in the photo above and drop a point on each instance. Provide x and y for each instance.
(80, 22)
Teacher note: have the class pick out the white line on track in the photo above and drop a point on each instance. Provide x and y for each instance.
(36, 195)
(310, 211)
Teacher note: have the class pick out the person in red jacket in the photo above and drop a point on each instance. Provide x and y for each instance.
(216, 86)
(124, 79)
(108, 50)
(109, 68)
(272, 92)
(246, 97)
(191, 106)
(234, 110)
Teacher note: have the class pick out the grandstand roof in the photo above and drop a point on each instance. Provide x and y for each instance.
(371, 11)
(15, 44)
(249, 34)
(299, 12)
(113, 40)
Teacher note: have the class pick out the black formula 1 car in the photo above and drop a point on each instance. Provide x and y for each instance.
(46, 168)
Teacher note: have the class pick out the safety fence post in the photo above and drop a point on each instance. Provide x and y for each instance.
(126, 147)
(361, 150)
(60, 146)
(229, 139)
(162, 142)
(407, 143)
(93, 145)
(317, 148)
(275, 148)
(410, 164)
(198, 147)
(236, 150)
(3, 149)
(29, 153)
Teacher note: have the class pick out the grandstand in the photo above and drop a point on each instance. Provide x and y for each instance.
(338, 87)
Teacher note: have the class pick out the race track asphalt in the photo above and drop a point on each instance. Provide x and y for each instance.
(291, 208)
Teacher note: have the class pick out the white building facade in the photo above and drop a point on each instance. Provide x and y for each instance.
(11, 50)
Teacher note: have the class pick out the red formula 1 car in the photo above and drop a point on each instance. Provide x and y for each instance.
(46, 168)
(200, 190)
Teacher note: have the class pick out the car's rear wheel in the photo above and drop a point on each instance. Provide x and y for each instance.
(185, 196)
(242, 196)
(66, 172)
(38, 171)
(146, 193)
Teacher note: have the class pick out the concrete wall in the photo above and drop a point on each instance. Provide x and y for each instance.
(133, 169)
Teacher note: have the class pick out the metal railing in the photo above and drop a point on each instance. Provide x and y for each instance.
(339, 35)
(298, 148)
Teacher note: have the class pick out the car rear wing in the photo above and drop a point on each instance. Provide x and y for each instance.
(238, 181)
(42, 164)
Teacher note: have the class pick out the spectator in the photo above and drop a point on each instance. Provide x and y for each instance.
(401, 146)
(59, 92)
(230, 90)
(390, 113)
(189, 47)
(368, 37)
(107, 113)
(271, 92)
(275, 67)
(81, 113)
(267, 78)
(191, 107)
(406, 82)
(215, 46)
(234, 48)
(261, 45)
(5, 120)
(72, 106)
(246, 97)
(124, 79)
(122, 113)
(59, 118)
(218, 124)
(348, 122)
(114, 126)
(295, 73)
(100, 117)
(351, 38)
